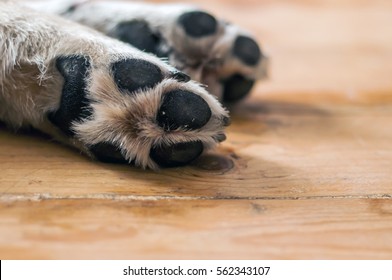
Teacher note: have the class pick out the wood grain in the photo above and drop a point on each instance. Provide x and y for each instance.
(306, 172)
(278, 150)
(200, 229)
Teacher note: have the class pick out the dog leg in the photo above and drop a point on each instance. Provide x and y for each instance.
(110, 100)
(222, 55)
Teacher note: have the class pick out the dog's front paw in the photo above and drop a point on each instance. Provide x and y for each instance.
(107, 98)
(135, 110)
(216, 53)
(222, 55)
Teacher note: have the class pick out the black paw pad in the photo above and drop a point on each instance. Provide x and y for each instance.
(74, 104)
(247, 50)
(107, 153)
(183, 109)
(177, 154)
(198, 24)
(138, 34)
(131, 75)
(236, 87)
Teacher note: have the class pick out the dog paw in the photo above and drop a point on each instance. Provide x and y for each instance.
(135, 110)
(221, 55)
(108, 99)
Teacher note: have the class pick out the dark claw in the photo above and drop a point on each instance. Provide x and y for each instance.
(236, 88)
(74, 104)
(107, 153)
(198, 24)
(180, 76)
(183, 109)
(247, 50)
(220, 137)
(177, 154)
(131, 75)
(226, 121)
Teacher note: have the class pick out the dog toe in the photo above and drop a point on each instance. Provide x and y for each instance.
(132, 75)
(178, 154)
(107, 153)
(137, 33)
(198, 24)
(247, 50)
(183, 109)
(236, 88)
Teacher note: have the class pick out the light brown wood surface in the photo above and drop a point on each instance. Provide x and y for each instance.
(306, 172)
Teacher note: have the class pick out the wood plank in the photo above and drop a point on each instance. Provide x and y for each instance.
(277, 150)
(197, 229)
(305, 172)
(320, 50)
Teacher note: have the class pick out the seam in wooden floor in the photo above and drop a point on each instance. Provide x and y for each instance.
(117, 197)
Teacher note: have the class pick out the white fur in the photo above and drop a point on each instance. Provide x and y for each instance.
(31, 86)
(212, 54)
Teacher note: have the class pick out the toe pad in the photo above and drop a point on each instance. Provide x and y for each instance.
(198, 24)
(236, 88)
(183, 109)
(176, 155)
(107, 153)
(247, 50)
(138, 34)
(132, 75)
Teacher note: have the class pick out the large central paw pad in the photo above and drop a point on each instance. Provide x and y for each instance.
(73, 103)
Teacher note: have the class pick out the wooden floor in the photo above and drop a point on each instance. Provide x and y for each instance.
(306, 172)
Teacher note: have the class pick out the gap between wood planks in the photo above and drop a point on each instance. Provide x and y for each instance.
(116, 197)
